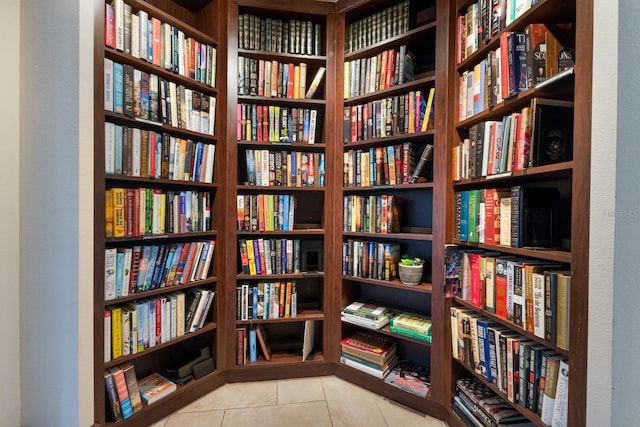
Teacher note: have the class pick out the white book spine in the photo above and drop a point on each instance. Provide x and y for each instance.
(108, 84)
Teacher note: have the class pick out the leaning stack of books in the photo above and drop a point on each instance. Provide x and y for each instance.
(367, 315)
(478, 405)
(412, 325)
(369, 352)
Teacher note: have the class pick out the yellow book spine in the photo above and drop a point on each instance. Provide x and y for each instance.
(251, 258)
(287, 301)
(296, 81)
(108, 213)
(118, 212)
(116, 332)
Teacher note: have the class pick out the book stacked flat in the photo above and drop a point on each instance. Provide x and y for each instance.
(369, 352)
(410, 377)
(412, 325)
(476, 403)
(367, 315)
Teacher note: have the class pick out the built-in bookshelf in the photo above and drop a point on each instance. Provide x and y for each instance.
(387, 187)
(278, 241)
(159, 166)
(515, 272)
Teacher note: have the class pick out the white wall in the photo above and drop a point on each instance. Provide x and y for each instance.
(626, 288)
(9, 216)
(56, 230)
(603, 218)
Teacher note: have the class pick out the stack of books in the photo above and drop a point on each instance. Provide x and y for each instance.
(478, 405)
(367, 315)
(412, 325)
(410, 377)
(369, 352)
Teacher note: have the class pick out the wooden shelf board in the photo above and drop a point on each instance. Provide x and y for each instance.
(207, 328)
(551, 255)
(160, 181)
(428, 80)
(390, 236)
(157, 126)
(304, 275)
(547, 172)
(165, 236)
(301, 317)
(305, 232)
(416, 186)
(271, 188)
(294, 146)
(282, 56)
(160, 291)
(388, 140)
(281, 101)
(422, 287)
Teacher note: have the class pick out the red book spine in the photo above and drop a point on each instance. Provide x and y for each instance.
(109, 26)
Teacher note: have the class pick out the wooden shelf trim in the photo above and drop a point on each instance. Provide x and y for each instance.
(278, 188)
(158, 127)
(282, 56)
(391, 91)
(283, 359)
(556, 170)
(512, 326)
(390, 236)
(301, 232)
(166, 236)
(426, 288)
(267, 100)
(208, 327)
(295, 146)
(415, 34)
(386, 140)
(160, 291)
(550, 255)
(303, 275)
(417, 186)
(160, 182)
(149, 67)
(301, 317)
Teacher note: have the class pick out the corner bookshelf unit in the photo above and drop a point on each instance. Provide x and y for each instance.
(516, 293)
(388, 87)
(279, 241)
(159, 168)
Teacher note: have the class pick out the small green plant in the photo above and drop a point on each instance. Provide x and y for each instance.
(409, 260)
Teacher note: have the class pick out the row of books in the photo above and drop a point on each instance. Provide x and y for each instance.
(386, 69)
(372, 214)
(133, 327)
(131, 270)
(147, 97)
(368, 259)
(395, 115)
(265, 212)
(282, 168)
(267, 300)
(272, 123)
(275, 35)
(149, 154)
(526, 372)
(387, 23)
(146, 37)
(478, 405)
(532, 294)
(369, 352)
(483, 20)
(517, 217)
(373, 316)
(251, 342)
(259, 77)
(404, 163)
(269, 256)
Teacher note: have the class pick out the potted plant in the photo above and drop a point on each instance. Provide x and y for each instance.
(410, 270)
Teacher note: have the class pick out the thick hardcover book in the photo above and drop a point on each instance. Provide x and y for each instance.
(154, 387)
(114, 413)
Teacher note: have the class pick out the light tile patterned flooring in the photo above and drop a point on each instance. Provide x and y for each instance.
(309, 402)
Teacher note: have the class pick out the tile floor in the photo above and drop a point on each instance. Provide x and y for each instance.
(321, 401)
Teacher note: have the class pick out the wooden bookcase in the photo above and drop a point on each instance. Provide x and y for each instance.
(429, 207)
(570, 176)
(202, 22)
(252, 49)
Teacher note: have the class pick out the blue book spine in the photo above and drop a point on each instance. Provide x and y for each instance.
(296, 256)
(372, 166)
(198, 162)
(281, 211)
(119, 273)
(483, 348)
(142, 322)
(255, 302)
(125, 406)
(293, 168)
(256, 255)
(159, 267)
(267, 306)
(174, 65)
(285, 209)
(118, 88)
(464, 215)
(150, 42)
(253, 351)
(283, 256)
(151, 268)
(187, 211)
(322, 170)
